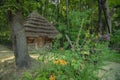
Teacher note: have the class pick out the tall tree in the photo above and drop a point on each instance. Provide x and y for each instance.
(107, 15)
(67, 13)
(103, 6)
(100, 16)
(22, 58)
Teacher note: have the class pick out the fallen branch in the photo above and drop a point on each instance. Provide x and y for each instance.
(70, 42)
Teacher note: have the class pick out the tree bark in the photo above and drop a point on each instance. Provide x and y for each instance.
(107, 16)
(22, 58)
(100, 16)
(67, 19)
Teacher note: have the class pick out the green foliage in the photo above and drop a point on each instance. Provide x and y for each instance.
(114, 57)
(113, 3)
(115, 37)
(67, 64)
(77, 24)
(5, 37)
(87, 56)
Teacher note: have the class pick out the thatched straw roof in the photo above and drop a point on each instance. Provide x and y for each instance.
(36, 26)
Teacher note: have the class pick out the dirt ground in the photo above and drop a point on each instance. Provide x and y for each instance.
(7, 54)
(8, 69)
(110, 71)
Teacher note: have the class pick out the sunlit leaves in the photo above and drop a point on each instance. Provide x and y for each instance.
(113, 2)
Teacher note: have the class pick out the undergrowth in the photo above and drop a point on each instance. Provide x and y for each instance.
(70, 65)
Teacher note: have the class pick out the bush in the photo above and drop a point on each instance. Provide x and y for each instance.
(68, 65)
(115, 40)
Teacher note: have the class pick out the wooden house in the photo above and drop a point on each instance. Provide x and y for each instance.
(39, 31)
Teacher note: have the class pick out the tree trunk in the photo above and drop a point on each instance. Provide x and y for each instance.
(67, 13)
(100, 16)
(19, 41)
(107, 15)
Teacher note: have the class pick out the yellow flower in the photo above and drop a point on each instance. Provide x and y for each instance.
(56, 62)
(52, 77)
(60, 61)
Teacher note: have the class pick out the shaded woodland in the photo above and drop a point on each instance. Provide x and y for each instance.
(71, 38)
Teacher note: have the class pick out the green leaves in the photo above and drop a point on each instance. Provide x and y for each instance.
(62, 27)
(113, 3)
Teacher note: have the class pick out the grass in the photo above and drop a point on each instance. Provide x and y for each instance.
(114, 57)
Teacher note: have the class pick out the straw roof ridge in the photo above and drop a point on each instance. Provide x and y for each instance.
(37, 25)
(41, 30)
(40, 35)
